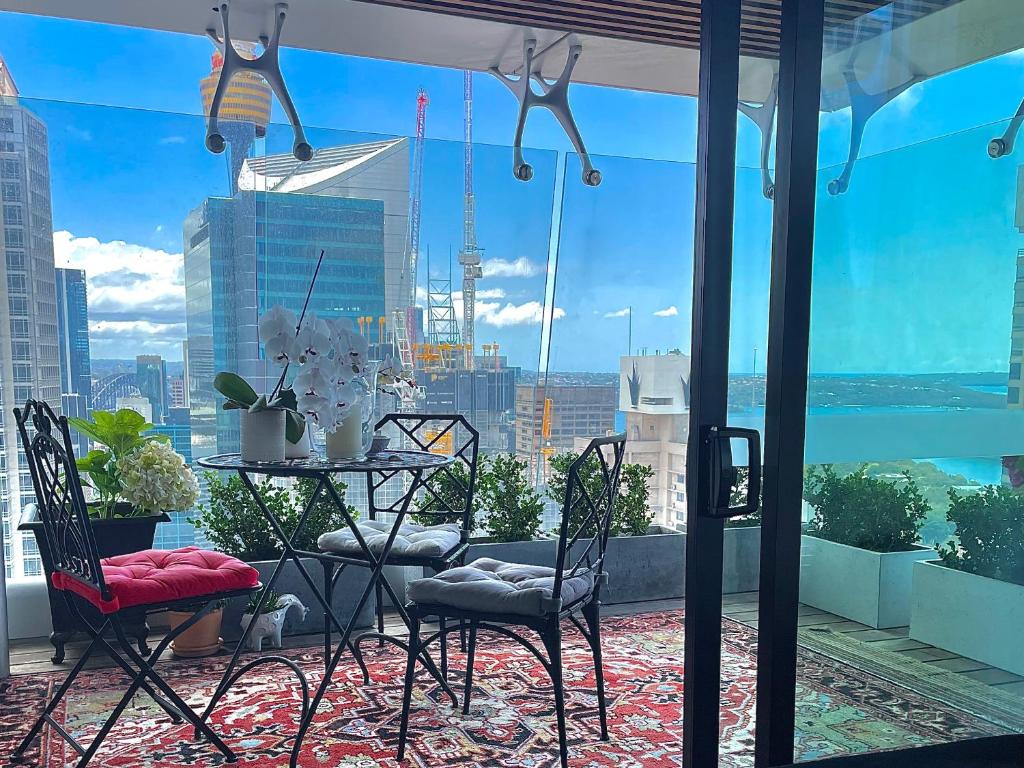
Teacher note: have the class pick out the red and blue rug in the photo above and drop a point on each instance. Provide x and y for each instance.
(841, 709)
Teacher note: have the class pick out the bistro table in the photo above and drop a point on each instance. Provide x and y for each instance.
(378, 469)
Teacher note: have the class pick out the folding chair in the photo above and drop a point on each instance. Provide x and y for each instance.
(153, 580)
(501, 597)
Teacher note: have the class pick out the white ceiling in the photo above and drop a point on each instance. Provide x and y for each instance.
(961, 34)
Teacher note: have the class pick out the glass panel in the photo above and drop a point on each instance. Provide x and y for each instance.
(619, 359)
(910, 569)
(367, 273)
(95, 276)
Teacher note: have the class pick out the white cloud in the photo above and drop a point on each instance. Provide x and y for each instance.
(529, 313)
(79, 133)
(136, 293)
(490, 293)
(909, 99)
(521, 267)
(172, 140)
(667, 312)
(624, 312)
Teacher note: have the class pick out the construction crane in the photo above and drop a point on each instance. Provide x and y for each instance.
(469, 256)
(404, 319)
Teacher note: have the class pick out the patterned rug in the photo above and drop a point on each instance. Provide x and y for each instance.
(840, 709)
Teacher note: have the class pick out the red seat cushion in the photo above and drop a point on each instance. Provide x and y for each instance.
(161, 576)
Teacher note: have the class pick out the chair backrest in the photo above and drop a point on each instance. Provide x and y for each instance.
(447, 492)
(59, 496)
(591, 488)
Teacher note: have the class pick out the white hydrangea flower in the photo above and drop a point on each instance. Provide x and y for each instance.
(156, 478)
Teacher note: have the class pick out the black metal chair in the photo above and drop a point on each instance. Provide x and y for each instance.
(110, 585)
(494, 596)
(447, 497)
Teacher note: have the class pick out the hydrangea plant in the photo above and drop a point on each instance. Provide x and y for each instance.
(155, 478)
(119, 469)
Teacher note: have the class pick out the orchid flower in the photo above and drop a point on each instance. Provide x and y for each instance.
(314, 339)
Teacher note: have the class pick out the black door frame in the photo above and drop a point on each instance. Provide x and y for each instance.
(789, 310)
(789, 320)
(709, 372)
(800, 55)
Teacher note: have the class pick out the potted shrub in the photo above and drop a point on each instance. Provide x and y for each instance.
(513, 514)
(132, 481)
(202, 638)
(233, 524)
(860, 547)
(971, 600)
(643, 562)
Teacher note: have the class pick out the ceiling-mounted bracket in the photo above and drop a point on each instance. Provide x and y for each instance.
(267, 65)
(863, 106)
(554, 96)
(1003, 146)
(763, 117)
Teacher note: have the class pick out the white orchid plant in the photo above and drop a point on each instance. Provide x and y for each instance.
(335, 373)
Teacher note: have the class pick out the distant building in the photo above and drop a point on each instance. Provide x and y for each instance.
(574, 411)
(179, 532)
(654, 396)
(185, 374)
(77, 406)
(248, 253)
(29, 366)
(151, 380)
(141, 405)
(7, 86)
(1015, 385)
(377, 170)
(176, 392)
(73, 332)
(485, 398)
(178, 416)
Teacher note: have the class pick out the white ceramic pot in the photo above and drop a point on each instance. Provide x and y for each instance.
(346, 442)
(301, 449)
(262, 435)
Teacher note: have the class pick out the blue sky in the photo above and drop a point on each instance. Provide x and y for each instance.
(914, 265)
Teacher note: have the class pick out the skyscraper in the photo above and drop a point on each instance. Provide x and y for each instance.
(73, 333)
(247, 253)
(29, 364)
(151, 379)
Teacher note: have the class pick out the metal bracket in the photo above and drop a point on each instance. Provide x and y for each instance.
(764, 118)
(863, 106)
(1003, 146)
(267, 65)
(554, 96)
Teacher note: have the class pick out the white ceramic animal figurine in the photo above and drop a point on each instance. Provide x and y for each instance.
(269, 625)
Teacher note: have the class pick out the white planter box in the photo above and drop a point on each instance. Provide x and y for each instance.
(872, 588)
(971, 615)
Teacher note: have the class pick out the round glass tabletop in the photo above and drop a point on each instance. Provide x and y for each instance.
(385, 461)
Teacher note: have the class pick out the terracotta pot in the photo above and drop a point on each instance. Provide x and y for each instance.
(201, 639)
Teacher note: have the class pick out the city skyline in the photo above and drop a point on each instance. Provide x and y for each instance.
(599, 230)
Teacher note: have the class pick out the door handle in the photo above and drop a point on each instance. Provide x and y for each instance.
(724, 474)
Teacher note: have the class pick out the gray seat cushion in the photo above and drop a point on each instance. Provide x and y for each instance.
(491, 586)
(426, 541)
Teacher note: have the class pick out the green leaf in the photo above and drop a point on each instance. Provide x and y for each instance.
(93, 460)
(294, 426)
(235, 388)
(286, 398)
(260, 405)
